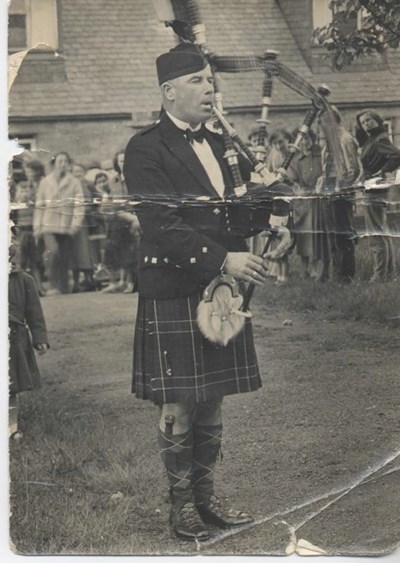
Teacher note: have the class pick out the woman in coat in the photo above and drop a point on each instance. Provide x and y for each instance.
(59, 212)
(339, 208)
(312, 242)
(379, 157)
(82, 257)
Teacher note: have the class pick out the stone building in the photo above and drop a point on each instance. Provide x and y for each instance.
(100, 86)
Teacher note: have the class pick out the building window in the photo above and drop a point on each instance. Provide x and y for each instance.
(324, 13)
(17, 26)
(32, 22)
(389, 128)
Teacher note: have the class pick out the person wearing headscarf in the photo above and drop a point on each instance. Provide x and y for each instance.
(312, 234)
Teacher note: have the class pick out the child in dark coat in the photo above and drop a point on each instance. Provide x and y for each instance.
(24, 312)
(28, 248)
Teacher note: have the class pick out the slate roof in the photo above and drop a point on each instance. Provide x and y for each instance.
(365, 85)
(110, 48)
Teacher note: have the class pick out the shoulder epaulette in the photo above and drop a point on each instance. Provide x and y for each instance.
(149, 127)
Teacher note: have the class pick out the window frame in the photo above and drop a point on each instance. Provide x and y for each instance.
(56, 29)
(12, 11)
(361, 14)
(388, 124)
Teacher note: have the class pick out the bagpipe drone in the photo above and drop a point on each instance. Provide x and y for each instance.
(222, 311)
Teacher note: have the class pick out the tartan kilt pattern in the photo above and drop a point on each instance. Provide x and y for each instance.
(173, 362)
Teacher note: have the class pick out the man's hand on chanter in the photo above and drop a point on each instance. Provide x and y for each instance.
(246, 266)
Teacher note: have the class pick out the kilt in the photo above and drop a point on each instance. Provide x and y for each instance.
(174, 363)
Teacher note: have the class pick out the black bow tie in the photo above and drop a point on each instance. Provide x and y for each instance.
(195, 135)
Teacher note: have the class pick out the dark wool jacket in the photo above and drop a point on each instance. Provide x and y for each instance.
(24, 306)
(379, 154)
(183, 245)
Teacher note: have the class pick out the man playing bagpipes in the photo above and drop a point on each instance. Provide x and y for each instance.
(173, 166)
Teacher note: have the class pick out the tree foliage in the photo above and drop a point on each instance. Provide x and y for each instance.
(358, 28)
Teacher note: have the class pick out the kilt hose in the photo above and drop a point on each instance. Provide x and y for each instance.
(174, 363)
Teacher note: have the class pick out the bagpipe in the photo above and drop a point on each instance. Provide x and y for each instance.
(222, 311)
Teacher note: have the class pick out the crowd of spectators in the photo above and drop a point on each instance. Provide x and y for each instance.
(323, 221)
(74, 233)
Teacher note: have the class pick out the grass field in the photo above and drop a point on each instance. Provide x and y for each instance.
(359, 300)
(87, 479)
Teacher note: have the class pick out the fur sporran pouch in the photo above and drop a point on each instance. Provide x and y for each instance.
(218, 314)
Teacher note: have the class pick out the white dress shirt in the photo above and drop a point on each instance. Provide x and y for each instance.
(205, 155)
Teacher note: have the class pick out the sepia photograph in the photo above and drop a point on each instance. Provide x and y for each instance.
(203, 260)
